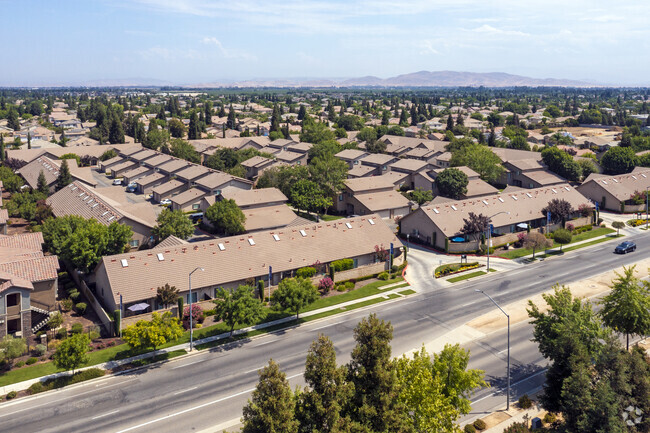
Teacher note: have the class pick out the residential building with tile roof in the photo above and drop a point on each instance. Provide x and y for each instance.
(615, 192)
(230, 261)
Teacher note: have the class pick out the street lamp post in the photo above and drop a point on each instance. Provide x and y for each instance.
(490, 236)
(646, 208)
(190, 312)
(508, 368)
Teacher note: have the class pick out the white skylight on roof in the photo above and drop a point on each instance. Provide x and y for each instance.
(605, 182)
(453, 207)
(303, 233)
(642, 174)
(71, 185)
(74, 188)
(104, 214)
(251, 241)
(125, 264)
(554, 190)
(615, 180)
(111, 218)
(484, 202)
(222, 247)
(348, 225)
(372, 223)
(436, 210)
(500, 199)
(160, 257)
(514, 197)
(81, 194)
(529, 196)
(95, 205)
(634, 177)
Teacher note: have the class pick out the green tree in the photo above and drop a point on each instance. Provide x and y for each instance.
(11, 348)
(319, 406)
(156, 139)
(237, 307)
(562, 237)
(41, 183)
(569, 326)
(271, 408)
(172, 222)
(619, 160)
(176, 128)
(307, 195)
(452, 183)
(166, 295)
(480, 159)
(193, 132)
(369, 135)
(450, 123)
(154, 333)
(116, 131)
(421, 196)
(560, 210)
(618, 225)
(626, 309)
(374, 405)
(329, 173)
(72, 352)
(316, 133)
(561, 163)
(2, 148)
(226, 217)
(10, 181)
(65, 178)
(294, 294)
(282, 177)
(324, 149)
(110, 153)
(184, 150)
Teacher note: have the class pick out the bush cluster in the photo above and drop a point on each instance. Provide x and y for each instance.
(582, 229)
(454, 267)
(342, 265)
(525, 402)
(469, 428)
(636, 222)
(479, 424)
(60, 382)
(306, 272)
(383, 276)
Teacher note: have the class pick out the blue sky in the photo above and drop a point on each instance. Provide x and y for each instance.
(49, 42)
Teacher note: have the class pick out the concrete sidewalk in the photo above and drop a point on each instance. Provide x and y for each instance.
(386, 291)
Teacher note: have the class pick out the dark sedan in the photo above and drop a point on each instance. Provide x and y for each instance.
(625, 247)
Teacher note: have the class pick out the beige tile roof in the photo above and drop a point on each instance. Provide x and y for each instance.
(157, 160)
(544, 177)
(21, 259)
(33, 269)
(192, 172)
(215, 180)
(300, 147)
(143, 155)
(174, 165)
(25, 241)
(171, 241)
(515, 154)
(188, 196)
(256, 161)
(153, 177)
(526, 164)
(114, 160)
(136, 172)
(621, 186)
(524, 206)
(363, 184)
(378, 201)
(478, 187)
(167, 186)
(377, 159)
(254, 197)
(268, 217)
(288, 156)
(350, 154)
(410, 165)
(324, 242)
(360, 171)
(124, 165)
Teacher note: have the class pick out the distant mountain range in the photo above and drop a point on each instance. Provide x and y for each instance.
(415, 79)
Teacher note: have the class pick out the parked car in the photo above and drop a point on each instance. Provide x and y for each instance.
(131, 188)
(117, 181)
(165, 202)
(197, 218)
(625, 247)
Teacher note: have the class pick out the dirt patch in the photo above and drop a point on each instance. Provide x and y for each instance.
(495, 419)
(18, 226)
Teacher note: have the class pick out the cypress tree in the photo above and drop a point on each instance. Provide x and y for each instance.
(193, 130)
(64, 178)
(272, 405)
(301, 112)
(231, 118)
(414, 115)
(2, 148)
(116, 131)
(275, 119)
(42, 183)
(29, 140)
(450, 123)
(403, 118)
(385, 118)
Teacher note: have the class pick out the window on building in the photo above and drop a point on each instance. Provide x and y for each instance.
(340, 197)
(194, 297)
(13, 299)
(134, 243)
(195, 206)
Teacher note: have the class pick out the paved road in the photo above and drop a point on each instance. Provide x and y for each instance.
(208, 390)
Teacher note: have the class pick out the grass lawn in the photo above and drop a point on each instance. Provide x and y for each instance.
(466, 276)
(123, 351)
(453, 266)
(575, 247)
(330, 217)
(520, 252)
(407, 292)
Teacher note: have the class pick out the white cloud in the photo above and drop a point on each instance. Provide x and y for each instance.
(489, 30)
(228, 54)
(426, 47)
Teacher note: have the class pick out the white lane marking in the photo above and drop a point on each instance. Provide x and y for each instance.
(185, 365)
(60, 399)
(469, 303)
(511, 385)
(295, 375)
(106, 414)
(264, 344)
(185, 390)
(250, 371)
(327, 326)
(219, 400)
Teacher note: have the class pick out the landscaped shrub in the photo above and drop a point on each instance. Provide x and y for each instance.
(77, 328)
(349, 285)
(20, 364)
(73, 294)
(93, 335)
(54, 344)
(208, 313)
(306, 272)
(469, 428)
(60, 382)
(383, 276)
(40, 349)
(342, 265)
(443, 270)
(197, 315)
(63, 274)
(582, 229)
(81, 308)
(62, 333)
(31, 361)
(518, 427)
(325, 284)
(479, 424)
(570, 227)
(35, 388)
(549, 418)
(11, 395)
(55, 320)
(66, 304)
(340, 287)
(525, 402)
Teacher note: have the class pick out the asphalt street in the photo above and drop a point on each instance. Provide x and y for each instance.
(206, 391)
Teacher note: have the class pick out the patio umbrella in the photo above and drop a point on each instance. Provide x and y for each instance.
(138, 307)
